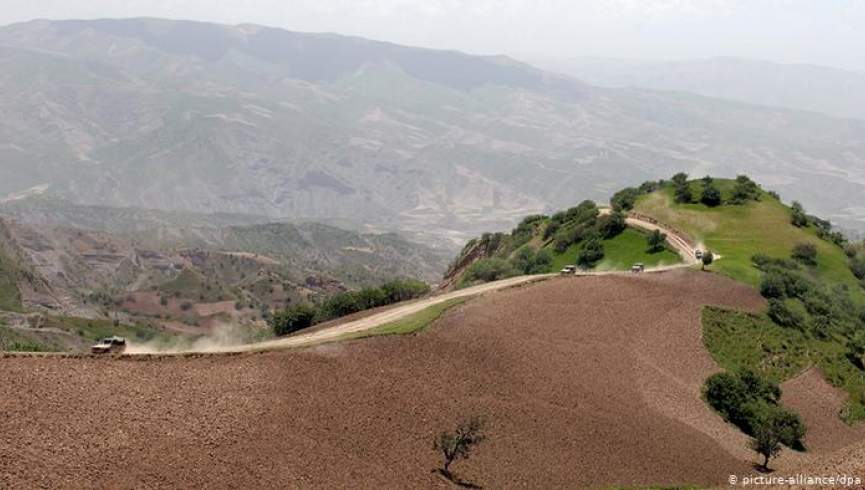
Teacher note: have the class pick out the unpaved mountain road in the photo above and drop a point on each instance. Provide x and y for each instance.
(674, 239)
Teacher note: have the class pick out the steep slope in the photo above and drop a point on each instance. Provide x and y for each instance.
(207, 118)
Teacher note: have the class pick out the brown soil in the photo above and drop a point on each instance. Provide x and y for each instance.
(820, 405)
(586, 382)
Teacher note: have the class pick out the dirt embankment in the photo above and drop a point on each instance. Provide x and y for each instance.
(586, 382)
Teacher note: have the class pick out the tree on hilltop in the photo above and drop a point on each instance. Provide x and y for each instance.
(656, 241)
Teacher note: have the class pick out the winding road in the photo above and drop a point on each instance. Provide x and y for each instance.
(335, 333)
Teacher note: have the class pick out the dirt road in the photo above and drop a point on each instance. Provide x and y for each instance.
(682, 247)
(586, 383)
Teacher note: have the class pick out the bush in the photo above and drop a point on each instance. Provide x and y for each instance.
(798, 217)
(744, 190)
(773, 286)
(805, 253)
(487, 270)
(784, 316)
(625, 199)
(656, 241)
(857, 267)
(612, 225)
(404, 289)
(711, 195)
(292, 319)
(592, 252)
(683, 194)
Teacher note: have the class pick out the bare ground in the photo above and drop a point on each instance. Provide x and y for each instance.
(586, 382)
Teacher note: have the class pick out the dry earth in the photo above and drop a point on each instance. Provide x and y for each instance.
(586, 382)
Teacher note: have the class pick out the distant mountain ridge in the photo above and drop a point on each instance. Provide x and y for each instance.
(832, 91)
(205, 118)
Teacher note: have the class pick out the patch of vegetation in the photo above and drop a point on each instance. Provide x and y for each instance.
(10, 296)
(749, 221)
(752, 403)
(631, 247)
(301, 316)
(740, 341)
(486, 270)
(95, 329)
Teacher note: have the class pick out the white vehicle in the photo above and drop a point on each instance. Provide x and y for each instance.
(698, 254)
(110, 345)
(638, 267)
(569, 269)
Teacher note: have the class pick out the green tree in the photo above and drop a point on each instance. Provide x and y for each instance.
(711, 195)
(459, 444)
(798, 217)
(744, 190)
(707, 260)
(656, 241)
(680, 179)
(625, 199)
(767, 443)
(683, 194)
(592, 252)
(294, 318)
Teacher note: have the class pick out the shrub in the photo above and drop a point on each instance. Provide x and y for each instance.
(656, 241)
(711, 195)
(773, 286)
(543, 261)
(487, 270)
(683, 194)
(744, 190)
(798, 217)
(612, 225)
(404, 289)
(784, 316)
(805, 253)
(625, 199)
(592, 252)
(857, 267)
(292, 319)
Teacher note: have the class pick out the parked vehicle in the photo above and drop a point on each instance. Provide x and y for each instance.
(569, 269)
(638, 267)
(110, 345)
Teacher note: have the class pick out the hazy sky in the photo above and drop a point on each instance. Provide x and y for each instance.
(827, 32)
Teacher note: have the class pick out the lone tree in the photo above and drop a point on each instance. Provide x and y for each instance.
(708, 258)
(459, 444)
(711, 195)
(767, 443)
(656, 241)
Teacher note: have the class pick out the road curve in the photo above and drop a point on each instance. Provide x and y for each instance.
(370, 322)
(336, 332)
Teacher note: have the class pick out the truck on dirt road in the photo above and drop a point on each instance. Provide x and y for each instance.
(110, 345)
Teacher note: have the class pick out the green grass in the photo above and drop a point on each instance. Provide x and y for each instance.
(739, 340)
(15, 341)
(10, 296)
(411, 324)
(629, 248)
(739, 232)
(620, 253)
(93, 330)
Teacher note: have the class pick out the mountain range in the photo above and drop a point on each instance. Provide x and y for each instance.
(249, 120)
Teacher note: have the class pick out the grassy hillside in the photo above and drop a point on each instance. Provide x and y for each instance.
(10, 297)
(816, 305)
(540, 244)
(739, 232)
